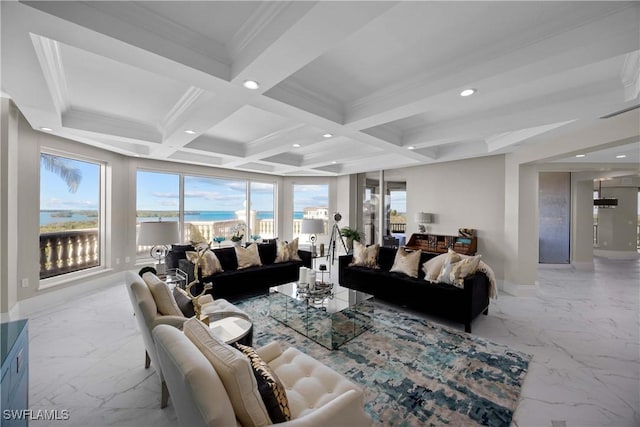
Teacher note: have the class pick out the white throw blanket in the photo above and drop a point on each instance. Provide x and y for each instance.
(493, 289)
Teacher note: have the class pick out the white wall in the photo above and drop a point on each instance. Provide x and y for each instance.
(465, 193)
(617, 227)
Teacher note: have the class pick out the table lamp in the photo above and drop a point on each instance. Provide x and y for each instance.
(312, 226)
(158, 235)
(423, 218)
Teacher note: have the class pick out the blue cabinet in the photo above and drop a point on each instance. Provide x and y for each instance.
(14, 348)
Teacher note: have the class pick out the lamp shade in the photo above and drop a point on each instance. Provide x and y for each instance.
(424, 218)
(158, 233)
(312, 226)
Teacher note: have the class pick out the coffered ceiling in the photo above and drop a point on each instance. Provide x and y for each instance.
(344, 87)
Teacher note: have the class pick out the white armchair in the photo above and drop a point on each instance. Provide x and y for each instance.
(153, 305)
(201, 395)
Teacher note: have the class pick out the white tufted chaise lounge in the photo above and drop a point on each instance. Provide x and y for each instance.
(201, 396)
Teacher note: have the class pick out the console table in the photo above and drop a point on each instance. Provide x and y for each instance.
(14, 347)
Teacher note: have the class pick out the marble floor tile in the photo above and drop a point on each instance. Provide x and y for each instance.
(582, 329)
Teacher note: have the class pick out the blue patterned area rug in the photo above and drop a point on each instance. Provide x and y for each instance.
(414, 372)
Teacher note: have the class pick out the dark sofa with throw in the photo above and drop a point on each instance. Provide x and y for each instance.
(440, 299)
(233, 284)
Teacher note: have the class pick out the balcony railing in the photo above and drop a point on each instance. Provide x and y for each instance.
(397, 227)
(66, 251)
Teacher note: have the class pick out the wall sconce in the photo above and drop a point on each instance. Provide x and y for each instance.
(423, 218)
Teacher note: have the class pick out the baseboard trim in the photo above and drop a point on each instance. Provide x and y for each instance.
(30, 306)
(616, 254)
(583, 266)
(517, 290)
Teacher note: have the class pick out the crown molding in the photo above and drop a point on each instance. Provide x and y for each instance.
(109, 125)
(50, 59)
(176, 114)
(259, 20)
(630, 76)
(139, 16)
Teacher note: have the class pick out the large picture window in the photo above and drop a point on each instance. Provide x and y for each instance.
(262, 215)
(70, 215)
(309, 201)
(157, 199)
(216, 208)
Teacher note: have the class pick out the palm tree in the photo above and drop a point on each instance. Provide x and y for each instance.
(60, 166)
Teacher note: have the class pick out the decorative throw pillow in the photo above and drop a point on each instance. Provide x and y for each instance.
(406, 262)
(248, 257)
(433, 267)
(184, 302)
(365, 256)
(234, 370)
(210, 264)
(447, 266)
(195, 236)
(165, 302)
(271, 389)
(287, 251)
(463, 268)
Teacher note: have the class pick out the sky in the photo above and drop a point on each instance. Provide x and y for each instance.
(54, 193)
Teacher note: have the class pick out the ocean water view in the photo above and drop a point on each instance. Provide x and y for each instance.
(50, 217)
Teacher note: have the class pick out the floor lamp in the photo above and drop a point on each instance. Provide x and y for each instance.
(158, 235)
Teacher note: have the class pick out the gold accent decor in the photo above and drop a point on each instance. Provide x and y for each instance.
(200, 249)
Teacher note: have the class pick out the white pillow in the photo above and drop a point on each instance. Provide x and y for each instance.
(365, 256)
(234, 370)
(432, 267)
(406, 262)
(165, 301)
(248, 257)
(210, 264)
(287, 251)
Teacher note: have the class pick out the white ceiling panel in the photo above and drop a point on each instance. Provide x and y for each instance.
(164, 79)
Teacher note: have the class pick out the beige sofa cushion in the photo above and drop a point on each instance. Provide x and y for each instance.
(165, 301)
(235, 371)
(287, 251)
(209, 263)
(463, 268)
(248, 257)
(406, 262)
(432, 267)
(365, 256)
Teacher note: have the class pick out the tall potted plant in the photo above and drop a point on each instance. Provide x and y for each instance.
(351, 234)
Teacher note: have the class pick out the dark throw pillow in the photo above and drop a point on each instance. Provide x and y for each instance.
(184, 302)
(271, 389)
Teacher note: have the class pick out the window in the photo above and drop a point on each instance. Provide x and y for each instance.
(157, 199)
(216, 207)
(262, 218)
(70, 215)
(309, 201)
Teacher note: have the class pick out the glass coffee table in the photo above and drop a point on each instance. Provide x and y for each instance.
(330, 318)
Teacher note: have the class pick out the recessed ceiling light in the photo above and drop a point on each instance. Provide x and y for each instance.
(296, 145)
(47, 129)
(334, 162)
(468, 92)
(411, 147)
(327, 135)
(190, 132)
(621, 156)
(251, 84)
(580, 155)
